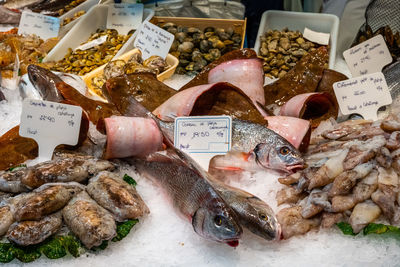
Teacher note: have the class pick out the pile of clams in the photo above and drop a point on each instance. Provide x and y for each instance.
(195, 48)
(281, 50)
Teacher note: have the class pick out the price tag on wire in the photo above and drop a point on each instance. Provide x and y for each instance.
(153, 41)
(203, 136)
(368, 57)
(124, 17)
(50, 124)
(363, 95)
(43, 26)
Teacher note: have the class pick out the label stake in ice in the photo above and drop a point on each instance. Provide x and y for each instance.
(43, 26)
(153, 41)
(124, 17)
(50, 124)
(316, 37)
(203, 136)
(368, 57)
(363, 95)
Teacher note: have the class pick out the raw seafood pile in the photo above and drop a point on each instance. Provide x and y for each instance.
(195, 48)
(48, 7)
(281, 50)
(352, 176)
(82, 61)
(73, 198)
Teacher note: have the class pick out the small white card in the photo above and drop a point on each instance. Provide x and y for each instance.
(124, 17)
(43, 26)
(316, 37)
(368, 57)
(153, 41)
(203, 136)
(50, 124)
(92, 43)
(363, 95)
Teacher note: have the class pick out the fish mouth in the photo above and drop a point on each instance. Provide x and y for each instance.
(233, 243)
(296, 167)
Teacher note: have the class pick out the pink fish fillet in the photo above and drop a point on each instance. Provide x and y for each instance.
(131, 136)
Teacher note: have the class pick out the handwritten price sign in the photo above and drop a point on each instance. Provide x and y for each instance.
(50, 124)
(368, 57)
(153, 40)
(43, 26)
(363, 95)
(203, 136)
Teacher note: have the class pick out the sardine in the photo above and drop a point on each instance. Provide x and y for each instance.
(33, 232)
(89, 221)
(115, 195)
(192, 195)
(37, 204)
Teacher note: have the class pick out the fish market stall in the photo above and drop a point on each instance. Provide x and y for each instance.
(298, 179)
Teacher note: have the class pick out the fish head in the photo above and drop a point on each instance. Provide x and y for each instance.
(44, 82)
(261, 219)
(279, 155)
(217, 224)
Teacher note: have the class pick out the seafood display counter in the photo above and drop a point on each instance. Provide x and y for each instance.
(298, 187)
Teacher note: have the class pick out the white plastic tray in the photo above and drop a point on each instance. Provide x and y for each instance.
(83, 6)
(277, 20)
(96, 18)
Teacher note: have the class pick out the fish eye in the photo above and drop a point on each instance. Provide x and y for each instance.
(284, 150)
(263, 217)
(218, 220)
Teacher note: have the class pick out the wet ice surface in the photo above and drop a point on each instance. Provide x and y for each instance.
(163, 238)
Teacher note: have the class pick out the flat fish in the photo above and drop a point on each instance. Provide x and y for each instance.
(88, 220)
(117, 196)
(34, 232)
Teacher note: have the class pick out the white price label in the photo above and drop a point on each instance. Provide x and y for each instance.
(50, 124)
(368, 57)
(203, 136)
(124, 17)
(363, 95)
(92, 43)
(152, 40)
(316, 37)
(43, 26)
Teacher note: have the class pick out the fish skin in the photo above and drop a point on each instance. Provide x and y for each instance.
(8, 16)
(45, 83)
(192, 195)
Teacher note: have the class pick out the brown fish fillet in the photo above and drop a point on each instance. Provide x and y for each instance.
(302, 78)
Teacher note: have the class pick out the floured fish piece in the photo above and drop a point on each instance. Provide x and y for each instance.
(363, 214)
(342, 203)
(385, 199)
(364, 189)
(117, 196)
(394, 141)
(383, 158)
(291, 179)
(89, 221)
(6, 219)
(288, 195)
(357, 156)
(35, 205)
(64, 170)
(33, 232)
(293, 223)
